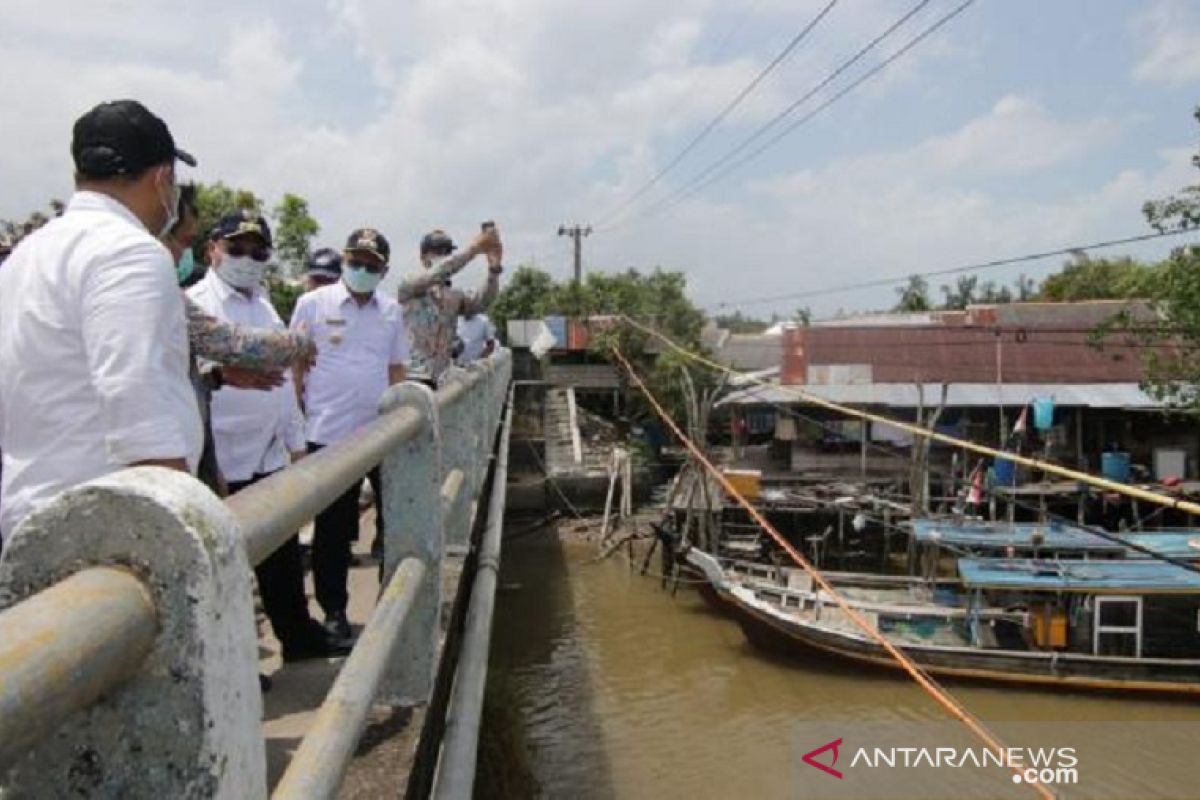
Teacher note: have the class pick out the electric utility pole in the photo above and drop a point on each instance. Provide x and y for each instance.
(576, 232)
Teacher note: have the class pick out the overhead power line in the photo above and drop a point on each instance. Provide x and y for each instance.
(785, 113)
(999, 262)
(726, 111)
(706, 177)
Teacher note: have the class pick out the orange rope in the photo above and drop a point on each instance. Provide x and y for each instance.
(925, 681)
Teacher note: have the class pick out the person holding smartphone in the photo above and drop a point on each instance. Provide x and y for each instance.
(432, 305)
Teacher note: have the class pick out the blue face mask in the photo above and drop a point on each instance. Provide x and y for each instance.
(359, 281)
(185, 266)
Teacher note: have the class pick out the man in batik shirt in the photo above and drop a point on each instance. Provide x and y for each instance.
(432, 305)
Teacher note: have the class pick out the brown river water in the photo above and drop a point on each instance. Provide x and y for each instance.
(626, 691)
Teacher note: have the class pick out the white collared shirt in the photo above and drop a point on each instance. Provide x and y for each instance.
(253, 430)
(475, 332)
(93, 356)
(355, 346)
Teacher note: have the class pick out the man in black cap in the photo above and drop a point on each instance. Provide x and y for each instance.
(362, 348)
(93, 340)
(324, 268)
(432, 305)
(258, 433)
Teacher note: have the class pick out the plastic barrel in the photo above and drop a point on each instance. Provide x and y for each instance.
(1115, 466)
(1005, 471)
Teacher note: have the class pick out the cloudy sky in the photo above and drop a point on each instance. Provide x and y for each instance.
(1021, 125)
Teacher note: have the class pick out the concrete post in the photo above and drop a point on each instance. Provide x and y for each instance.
(414, 527)
(187, 724)
(462, 422)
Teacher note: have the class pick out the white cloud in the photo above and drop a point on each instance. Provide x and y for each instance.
(441, 113)
(1169, 32)
(925, 207)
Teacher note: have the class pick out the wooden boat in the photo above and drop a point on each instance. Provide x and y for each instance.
(1111, 625)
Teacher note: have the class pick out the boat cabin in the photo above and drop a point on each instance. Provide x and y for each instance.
(1135, 608)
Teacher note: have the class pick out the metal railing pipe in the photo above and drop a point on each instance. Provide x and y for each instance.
(65, 647)
(456, 772)
(317, 769)
(271, 510)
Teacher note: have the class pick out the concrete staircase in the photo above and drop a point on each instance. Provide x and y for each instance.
(561, 429)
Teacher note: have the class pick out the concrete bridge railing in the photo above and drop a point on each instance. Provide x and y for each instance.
(128, 653)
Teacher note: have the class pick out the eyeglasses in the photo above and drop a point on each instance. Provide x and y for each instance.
(374, 269)
(260, 253)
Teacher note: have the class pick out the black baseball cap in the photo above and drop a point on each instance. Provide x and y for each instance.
(242, 223)
(326, 263)
(122, 137)
(437, 241)
(369, 240)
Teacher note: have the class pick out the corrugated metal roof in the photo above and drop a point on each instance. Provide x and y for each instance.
(959, 395)
(1141, 576)
(750, 351)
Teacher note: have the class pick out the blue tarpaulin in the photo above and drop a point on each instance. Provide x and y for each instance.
(1172, 544)
(1001, 535)
(1141, 576)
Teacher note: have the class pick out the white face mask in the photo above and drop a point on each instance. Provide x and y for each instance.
(241, 272)
(359, 281)
(170, 205)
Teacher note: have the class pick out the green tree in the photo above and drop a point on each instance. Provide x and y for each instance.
(737, 322)
(993, 294)
(803, 316)
(914, 296)
(961, 294)
(528, 294)
(657, 298)
(1087, 278)
(1180, 211)
(1173, 337)
(294, 232)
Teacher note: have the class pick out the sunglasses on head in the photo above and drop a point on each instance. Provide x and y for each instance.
(374, 269)
(258, 252)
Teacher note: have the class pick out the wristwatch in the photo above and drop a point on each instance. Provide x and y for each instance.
(496, 270)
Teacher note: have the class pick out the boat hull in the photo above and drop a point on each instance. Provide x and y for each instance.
(795, 638)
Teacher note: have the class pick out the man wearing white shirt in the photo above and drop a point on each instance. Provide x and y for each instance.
(256, 432)
(476, 335)
(93, 339)
(362, 347)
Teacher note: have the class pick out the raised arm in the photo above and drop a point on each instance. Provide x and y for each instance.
(417, 285)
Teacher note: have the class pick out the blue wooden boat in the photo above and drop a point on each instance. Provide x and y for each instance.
(1096, 624)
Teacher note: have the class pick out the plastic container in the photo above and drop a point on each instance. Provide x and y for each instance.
(1043, 413)
(1115, 466)
(1005, 472)
(748, 482)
